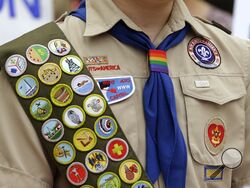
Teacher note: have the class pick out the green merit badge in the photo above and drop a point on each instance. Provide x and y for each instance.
(69, 113)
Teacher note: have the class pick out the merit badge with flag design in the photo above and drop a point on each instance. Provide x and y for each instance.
(116, 89)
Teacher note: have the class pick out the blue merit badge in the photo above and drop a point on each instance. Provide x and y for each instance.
(116, 89)
(212, 173)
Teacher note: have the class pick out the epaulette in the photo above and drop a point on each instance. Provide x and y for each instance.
(215, 24)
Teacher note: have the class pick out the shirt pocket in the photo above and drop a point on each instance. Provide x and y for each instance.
(214, 101)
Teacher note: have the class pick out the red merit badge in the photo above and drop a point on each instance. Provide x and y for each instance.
(77, 174)
(117, 149)
(215, 136)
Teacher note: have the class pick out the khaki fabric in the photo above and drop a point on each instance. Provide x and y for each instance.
(22, 161)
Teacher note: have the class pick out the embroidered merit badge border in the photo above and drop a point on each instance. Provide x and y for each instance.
(68, 111)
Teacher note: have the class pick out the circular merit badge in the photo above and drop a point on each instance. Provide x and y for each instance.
(94, 105)
(37, 54)
(41, 109)
(77, 174)
(86, 186)
(61, 95)
(105, 127)
(204, 53)
(59, 47)
(141, 184)
(130, 171)
(117, 149)
(73, 117)
(64, 152)
(96, 161)
(49, 73)
(84, 139)
(15, 65)
(27, 86)
(71, 64)
(109, 179)
(82, 85)
(52, 130)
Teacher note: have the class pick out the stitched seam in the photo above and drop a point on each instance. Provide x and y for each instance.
(25, 174)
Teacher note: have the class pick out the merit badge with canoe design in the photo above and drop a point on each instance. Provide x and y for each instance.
(27, 86)
(52, 130)
(73, 117)
(117, 149)
(82, 85)
(59, 47)
(37, 54)
(116, 89)
(61, 95)
(71, 64)
(105, 127)
(49, 73)
(15, 65)
(41, 109)
(77, 174)
(109, 180)
(204, 53)
(130, 171)
(215, 136)
(64, 152)
(94, 105)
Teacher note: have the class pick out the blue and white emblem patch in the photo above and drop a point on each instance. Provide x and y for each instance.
(116, 89)
(204, 53)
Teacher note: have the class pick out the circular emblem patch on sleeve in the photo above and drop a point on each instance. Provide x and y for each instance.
(82, 85)
(52, 130)
(117, 149)
(37, 54)
(71, 64)
(64, 152)
(96, 161)
(130, 171)
(204, 53)
(73, 117)
(61, 95)
(94, 105)
(15, 65)
(141, 184)
(105, 127)
(41, 109)
(59, 47)
(109, 179)
(27, 86)
(49, 73)
(77, 174)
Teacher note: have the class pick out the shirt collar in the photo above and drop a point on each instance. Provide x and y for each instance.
(103, 15)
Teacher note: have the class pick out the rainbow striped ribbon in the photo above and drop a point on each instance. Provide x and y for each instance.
(158, 61)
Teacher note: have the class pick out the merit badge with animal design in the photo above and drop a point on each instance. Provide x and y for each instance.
(204, 53)
(52, 130)
(61, 95)
(73, 117)
(215, 136)
(84, 139)
(82, 85)
(130, 171)
(96, 161)
(117, 149)
(71, 64)
(94, 105)
(27, 86)
(41, 109)
(15, 65)
(142, 184)
(108, 180)
(77, 174)
(64, 152)
(105, 127)
(59, 47)
(37, 54)
(49, 73)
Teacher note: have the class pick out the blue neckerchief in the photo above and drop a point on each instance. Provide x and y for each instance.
(166, 149)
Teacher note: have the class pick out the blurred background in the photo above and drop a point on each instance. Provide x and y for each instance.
(20, 16)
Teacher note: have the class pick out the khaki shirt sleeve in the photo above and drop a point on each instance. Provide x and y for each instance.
(241, 176)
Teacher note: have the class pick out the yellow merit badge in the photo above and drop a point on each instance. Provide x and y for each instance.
(27, 86)
(61, 95)
(130, 171)
(84, 139)
(94, 105)
(64, 152)
(49, 73)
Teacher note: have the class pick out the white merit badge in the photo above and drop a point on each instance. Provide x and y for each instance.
(82, 84)
(37, 54)
(116, 89)
(59, 47)
(71, 64)
(15, 65)
(204, 53)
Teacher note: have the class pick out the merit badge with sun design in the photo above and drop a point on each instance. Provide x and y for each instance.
(41, 109)
(109, 180)
(77, 174)
(64, 152)
(49, 73)
(15, 65)
(37, 54)
(105, 127)
(130, 171)
(117, 149)
(215, 136)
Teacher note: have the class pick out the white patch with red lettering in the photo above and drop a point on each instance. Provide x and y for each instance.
(116, 89)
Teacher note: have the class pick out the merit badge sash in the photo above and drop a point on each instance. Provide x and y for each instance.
(69, 112)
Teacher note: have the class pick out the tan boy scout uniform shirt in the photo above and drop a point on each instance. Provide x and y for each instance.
(227, 97)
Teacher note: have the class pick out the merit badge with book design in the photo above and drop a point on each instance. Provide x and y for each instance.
(69, 113)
